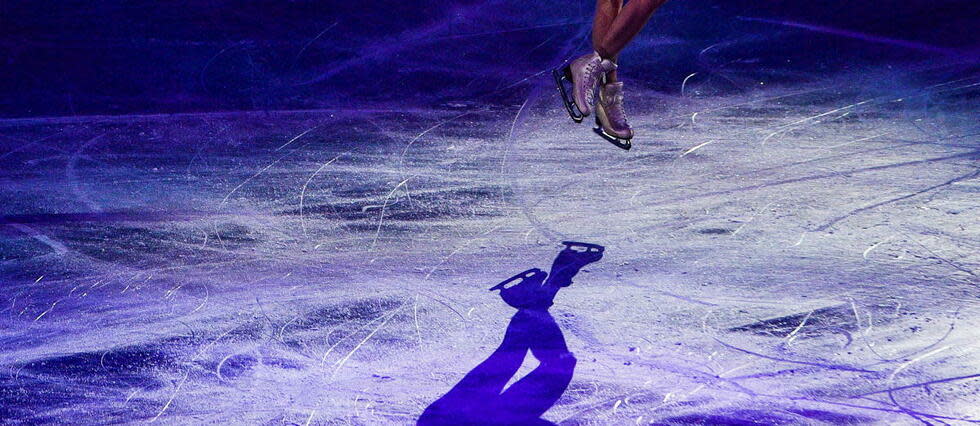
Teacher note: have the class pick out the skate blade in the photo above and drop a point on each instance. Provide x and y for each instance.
(624, 144)
(560, 75)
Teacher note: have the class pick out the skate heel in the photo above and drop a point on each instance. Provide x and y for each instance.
(567, 71)
(624, 144)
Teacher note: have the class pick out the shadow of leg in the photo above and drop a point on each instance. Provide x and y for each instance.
(474, 398)
(548, 342)
(570, 261)
(479, 397)
(529, 398)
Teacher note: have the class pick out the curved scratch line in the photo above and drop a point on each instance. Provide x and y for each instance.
(340, 363)
(384, 206)
(790, 126)
(695, 148)
(309, 43)
(172, 396)
(815, 364)
(302, 193)
(297, 137)
(915, 360)
(401, 160)
(73, 177)
(684, 83)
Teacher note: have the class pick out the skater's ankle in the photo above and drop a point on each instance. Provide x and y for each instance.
(604, 54)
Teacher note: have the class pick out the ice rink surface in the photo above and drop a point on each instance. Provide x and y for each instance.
(785, 253)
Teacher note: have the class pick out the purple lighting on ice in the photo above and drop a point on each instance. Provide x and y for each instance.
(855, 35)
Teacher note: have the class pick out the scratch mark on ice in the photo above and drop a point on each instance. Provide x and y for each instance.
(874, 246)
(225, 200)
(915, 360)
(695, 148)
(384, 206)
(172, 396)
(302, 193)
(297, 137)
(684, 85)
(341, 362)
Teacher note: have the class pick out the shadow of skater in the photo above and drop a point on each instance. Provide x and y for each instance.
(480, 398)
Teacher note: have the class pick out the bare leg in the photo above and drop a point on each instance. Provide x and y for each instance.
(605, 13)
(625, 26)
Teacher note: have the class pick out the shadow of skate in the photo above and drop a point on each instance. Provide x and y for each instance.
(480, 397)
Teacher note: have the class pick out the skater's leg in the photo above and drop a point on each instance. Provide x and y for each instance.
(612, 76)
(587, 72)
(627, 25)
(611, 122)
(605, 13)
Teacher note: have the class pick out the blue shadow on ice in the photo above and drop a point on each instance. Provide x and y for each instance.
(480, 397)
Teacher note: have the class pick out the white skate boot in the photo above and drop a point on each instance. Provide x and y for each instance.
(610, 116)
(584, 74)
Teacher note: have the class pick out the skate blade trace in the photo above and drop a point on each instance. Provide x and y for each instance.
(561, 75)
(624, 144)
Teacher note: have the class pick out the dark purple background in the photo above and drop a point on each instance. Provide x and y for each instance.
(120, 56)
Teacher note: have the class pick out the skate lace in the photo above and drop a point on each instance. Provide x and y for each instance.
(590, 76)
(618, 112)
